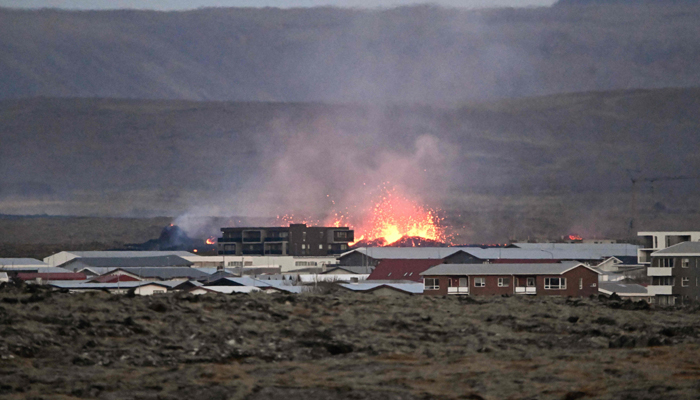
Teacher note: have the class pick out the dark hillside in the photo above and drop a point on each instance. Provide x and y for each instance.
(418, 54)
(540, 166)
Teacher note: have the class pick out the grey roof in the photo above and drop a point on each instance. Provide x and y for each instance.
(412, 287)
(8, 262)
(490, 253)
(503, 269)
(43, 270)
(166, 273)
(125, 262)
(622, 288)
(82, 285)
(351, 270)
(423, 253)
(129, 254)
(610, 249)
(680, 249)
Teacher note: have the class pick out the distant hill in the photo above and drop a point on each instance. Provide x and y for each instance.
(420, 54)
(549, 165)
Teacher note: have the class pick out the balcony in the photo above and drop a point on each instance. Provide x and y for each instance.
(525, 290)
(659, 271)
(229, 239)
(657, 290)
(458, 290)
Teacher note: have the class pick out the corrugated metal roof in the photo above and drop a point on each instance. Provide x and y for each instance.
(125, 262)
(129, 254)
(402, 269)
(685, 248)
(351, 270)
(622, 288)
(99, 286)
(166, 273)
(230, 289)
(424, 253)
(10, 262)
(502, 269)
(56, 270)
(416, 288)
(609, 249)
(491, 253)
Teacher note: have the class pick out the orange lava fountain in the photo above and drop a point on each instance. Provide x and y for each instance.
(211, 240)
(393, 217)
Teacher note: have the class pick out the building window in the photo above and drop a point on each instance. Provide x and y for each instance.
(530, 282)
(320, 247)
(666, 281)
(685, 263)
(580, 283)
(503, 282)
(479, 282)
(685, 282)
(303, 236)
(555, 283)
(305, 263)
(449, 282)
(158, 291)
(341, 235)
(667, 262)
(432, 284)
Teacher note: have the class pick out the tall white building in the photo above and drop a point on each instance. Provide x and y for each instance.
(655, 241)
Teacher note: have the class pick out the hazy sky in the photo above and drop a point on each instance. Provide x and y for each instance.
(189, 4)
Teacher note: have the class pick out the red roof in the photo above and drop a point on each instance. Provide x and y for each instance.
(52, 276)
(402, 269)
(114, 279)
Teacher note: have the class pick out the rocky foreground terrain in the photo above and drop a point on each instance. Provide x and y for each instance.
(339, 345)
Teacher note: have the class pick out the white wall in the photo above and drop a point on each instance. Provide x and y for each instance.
(148, 290)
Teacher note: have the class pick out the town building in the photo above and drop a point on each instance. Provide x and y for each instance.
(675, 274)
(626, 291)
(653, 241)
(294, 240)
(563, 279)
(21, 263)
(247, 262)
(63, 257)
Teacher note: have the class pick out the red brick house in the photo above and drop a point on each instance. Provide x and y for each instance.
(564, 279)
(402, 269)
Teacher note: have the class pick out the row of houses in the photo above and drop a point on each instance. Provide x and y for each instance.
(564, 269)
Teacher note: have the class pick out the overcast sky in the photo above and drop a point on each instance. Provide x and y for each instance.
(190, 4)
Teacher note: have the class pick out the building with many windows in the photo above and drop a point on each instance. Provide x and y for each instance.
(675, 274)
(655, 241)
(295, 240)
(552, 279)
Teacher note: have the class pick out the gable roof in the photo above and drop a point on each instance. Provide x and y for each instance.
(504, 269)
(101, 286)
(411, 288)
(424, 253)
(19, 262)
(349, 269)
(402, 269)
(680, 249)
(164, 273)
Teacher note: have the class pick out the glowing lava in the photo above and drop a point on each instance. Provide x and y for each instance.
(394, 216)
(211, 240)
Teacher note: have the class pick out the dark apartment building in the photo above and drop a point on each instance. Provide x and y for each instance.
(295, 240)
(674, 274)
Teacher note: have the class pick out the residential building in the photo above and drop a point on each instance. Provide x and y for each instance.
(284, 263)
(295, 240)
(402, 269)
(653, 241)
(563, 279)
(103, 265)
(674, 273)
